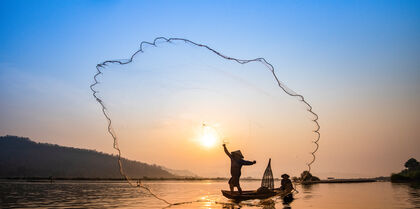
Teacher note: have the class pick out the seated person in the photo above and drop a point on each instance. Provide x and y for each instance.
(286, 183)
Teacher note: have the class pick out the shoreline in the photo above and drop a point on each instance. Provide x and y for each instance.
(122, 179)
(49, 179)
(341, 181)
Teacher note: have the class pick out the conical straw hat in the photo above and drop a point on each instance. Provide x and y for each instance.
(238, 153)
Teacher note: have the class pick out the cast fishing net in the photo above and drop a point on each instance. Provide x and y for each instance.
(158, 107)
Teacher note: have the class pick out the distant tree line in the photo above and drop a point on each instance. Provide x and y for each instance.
(410, 173)
(305, 176)
(21, 157)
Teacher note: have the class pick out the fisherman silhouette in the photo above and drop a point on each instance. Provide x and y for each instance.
(237, 161)
(287, 186)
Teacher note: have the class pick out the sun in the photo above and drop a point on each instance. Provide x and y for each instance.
(209, 137)
(208, 140)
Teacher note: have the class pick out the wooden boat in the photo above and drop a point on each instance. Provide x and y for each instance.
(267, 183)
(250, 194)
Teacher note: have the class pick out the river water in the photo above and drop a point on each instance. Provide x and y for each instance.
(200, 194)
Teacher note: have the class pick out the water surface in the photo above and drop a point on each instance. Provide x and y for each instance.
(203, 194)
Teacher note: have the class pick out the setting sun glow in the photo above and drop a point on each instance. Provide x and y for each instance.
(209, 137)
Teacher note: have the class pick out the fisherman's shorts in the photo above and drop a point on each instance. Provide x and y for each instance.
(234, 181)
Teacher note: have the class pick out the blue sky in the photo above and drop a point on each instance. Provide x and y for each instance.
(352, 57)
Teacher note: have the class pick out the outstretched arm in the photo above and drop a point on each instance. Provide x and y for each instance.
(226, 151)
(246, 162)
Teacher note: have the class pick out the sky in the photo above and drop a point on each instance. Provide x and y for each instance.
(356, 63)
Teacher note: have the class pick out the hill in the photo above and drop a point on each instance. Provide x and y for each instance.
(21, 157)
(183, 173)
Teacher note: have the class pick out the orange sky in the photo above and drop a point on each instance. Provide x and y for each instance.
(158, 108)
